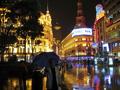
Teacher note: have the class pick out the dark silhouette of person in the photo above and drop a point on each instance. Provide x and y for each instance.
(88, 62)
(37, 79)
(51, 77)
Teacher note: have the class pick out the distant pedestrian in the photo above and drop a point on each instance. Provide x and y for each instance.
(88, 61)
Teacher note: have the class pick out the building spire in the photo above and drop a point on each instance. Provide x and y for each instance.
(47, 7)
(80, 19)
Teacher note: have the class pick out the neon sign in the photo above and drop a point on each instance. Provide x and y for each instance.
(99, 11)
(81, 31)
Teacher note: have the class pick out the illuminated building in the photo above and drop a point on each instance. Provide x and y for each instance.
(100, 24)
(78, 42)
(112, 9)
(99, 29)
(24, 49)
(47, 39)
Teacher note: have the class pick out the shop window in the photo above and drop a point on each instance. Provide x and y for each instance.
(113, 45)
(116, 44)
(84, 44)
(87, 39)
(88, 45)
(90, 39)
(83, 39)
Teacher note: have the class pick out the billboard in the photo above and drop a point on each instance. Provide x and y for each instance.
(99, 11)
(81, 31)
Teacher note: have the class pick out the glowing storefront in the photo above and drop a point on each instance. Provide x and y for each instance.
(78, 43)
(112, 9)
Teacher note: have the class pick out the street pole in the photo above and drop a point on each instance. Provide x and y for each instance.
(25, 48)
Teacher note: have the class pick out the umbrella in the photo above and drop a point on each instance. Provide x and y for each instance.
(45, 59)
(54, 58)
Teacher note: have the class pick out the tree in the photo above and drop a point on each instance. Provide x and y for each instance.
(6, 25)
(23, 19)
(27, 16)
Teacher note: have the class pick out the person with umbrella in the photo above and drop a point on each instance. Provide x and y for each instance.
(46, 62)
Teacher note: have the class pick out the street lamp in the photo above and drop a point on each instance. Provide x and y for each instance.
(57, 26)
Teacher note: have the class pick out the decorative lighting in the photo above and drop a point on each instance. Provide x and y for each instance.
(57, 26)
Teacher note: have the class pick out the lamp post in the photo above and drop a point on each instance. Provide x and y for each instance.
(56, 46)
(101, 48)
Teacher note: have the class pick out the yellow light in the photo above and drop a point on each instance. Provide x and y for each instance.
(15, 50)
(29, 84)
(76, 40)
(100, 15)
(57, 27)
(84, 44)
(83, 39)
(14, 83)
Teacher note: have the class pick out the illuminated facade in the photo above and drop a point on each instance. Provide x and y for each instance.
(112, 9)
(47, 39)
(99, 28)
(79, 41)
(24, 49)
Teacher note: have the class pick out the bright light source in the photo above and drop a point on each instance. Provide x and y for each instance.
(57, 27)
(81, 31)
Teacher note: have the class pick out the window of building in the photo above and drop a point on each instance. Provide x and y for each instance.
(88, 45)
(10, 50)
(28, 50)
(28, 41)
(87, 39)
(20, 41)
(119, 44)
(107, 11)
(37, 42)
(83, 39)
(115, 44)
(91, 39)
(24, 42)
(84, 44)
(20, 51)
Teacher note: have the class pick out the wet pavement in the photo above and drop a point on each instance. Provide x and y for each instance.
(89, 77)
(77, 76)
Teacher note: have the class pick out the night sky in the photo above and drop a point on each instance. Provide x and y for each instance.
(63, 13)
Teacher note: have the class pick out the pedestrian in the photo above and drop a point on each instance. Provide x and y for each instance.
(51, 77)
(37, 79)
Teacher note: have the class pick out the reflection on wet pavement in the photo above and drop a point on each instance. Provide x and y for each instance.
(89, 77)
(77, 77)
